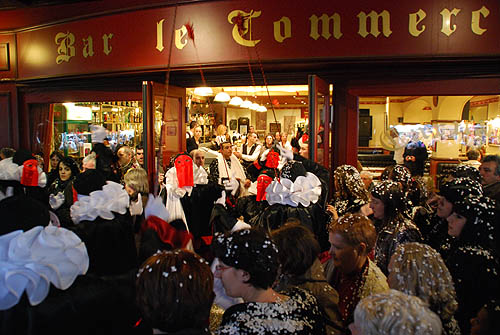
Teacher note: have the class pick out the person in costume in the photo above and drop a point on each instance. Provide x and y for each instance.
(351, 196)
(250, 151)
(394, 312)
(292, 196)
(472, 258)
(248, 267)
(226, 170)
(417, 269)
(350, 271)
(394, 227)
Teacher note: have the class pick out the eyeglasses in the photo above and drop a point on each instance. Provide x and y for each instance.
(221, 268)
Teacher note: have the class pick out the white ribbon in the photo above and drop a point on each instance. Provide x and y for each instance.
(305, 190)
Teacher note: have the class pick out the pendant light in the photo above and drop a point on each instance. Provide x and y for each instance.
(203, 91)
(246, 104)
(222, 97)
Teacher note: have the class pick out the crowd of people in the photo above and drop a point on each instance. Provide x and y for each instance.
(255, 242)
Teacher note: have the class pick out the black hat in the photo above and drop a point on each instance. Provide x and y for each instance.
(459, 188)
(293, 169)
(89, 181)
(21, 212)
(467, 171)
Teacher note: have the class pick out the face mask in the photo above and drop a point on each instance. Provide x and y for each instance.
(30, 173)
(273, 159)
(262, 183)
(184, 167)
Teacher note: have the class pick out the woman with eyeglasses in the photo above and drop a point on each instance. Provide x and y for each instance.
(248, 267)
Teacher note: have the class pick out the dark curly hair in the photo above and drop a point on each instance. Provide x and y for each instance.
(251, 250)
(71, 163)
(174, 291)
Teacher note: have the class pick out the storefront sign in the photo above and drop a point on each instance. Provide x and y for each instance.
(237, 31)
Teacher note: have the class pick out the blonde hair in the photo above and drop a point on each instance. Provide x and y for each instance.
(395, 313)
(137, 179)
(417, 269)
(221, 130)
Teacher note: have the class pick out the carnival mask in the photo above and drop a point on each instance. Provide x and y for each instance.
(262, 183)
(184, 168)
(273, 159)
(30, 173)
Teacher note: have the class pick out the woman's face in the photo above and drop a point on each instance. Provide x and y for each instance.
(269, 141)
(129, 190)
(231, 279)
(377, 207)
(345, 257)
(444, 208)
(456, 223)
(64, 172)
(54, 160)
(197, 133)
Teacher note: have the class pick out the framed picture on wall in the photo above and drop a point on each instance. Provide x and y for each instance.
(233, 124)
(274, 127)
(260, 120)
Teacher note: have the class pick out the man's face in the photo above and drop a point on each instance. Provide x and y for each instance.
(226, 150)
(139, 156)
(199, 158)
(487, 171)
(123, 157)
(252, 138)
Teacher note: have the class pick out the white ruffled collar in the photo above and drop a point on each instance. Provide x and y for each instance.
(11, 171)
(305, 190)
(31, 261)
(112, 198)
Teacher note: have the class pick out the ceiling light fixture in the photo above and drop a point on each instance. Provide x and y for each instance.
(222, 97)
(203, 91)
(246, 104)
(236, 101)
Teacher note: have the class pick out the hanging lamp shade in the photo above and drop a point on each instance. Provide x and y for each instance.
(222, 97)
(203, 91)
(254, 106)
(262, 109)
(236, 101)
(246, 104)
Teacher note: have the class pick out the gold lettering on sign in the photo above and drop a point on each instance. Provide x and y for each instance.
(88, 47)
(242, 22)
(107, 48)
(476, 16)
(325, 26)
(179, 35)
(447, 26)
(374, 20)
(159, 35)
(280, 35)
(66, 50)
(415, 19)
